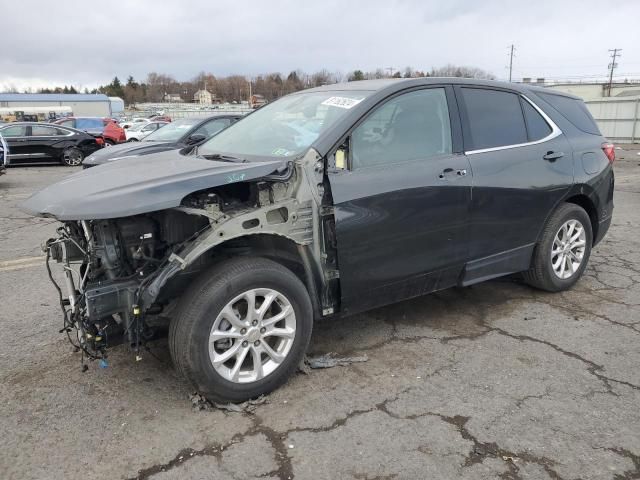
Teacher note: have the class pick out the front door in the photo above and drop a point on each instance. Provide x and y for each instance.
(402, 205)
(16, 138)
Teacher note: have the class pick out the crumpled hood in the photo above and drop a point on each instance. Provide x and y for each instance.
(138, 185)
(116, 152)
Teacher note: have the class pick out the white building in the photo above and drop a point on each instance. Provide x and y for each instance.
(90, 105)
(202, 97)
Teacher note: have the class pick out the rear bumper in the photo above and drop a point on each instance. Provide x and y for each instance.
(603, 228)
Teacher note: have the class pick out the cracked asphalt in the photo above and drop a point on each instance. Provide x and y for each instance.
(491, 381)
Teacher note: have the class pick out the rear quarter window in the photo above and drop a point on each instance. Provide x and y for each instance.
(573, 110)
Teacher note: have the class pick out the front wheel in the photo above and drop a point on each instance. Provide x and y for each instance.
(242, 329)
(563, 252)
(72, 157)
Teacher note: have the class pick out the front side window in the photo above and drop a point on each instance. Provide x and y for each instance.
(284, 128)
(14, 131)
(411, 126)
(213, 127)
(495, 118)
(173, 131)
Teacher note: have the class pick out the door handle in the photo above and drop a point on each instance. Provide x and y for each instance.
(445, 173)
(449, 172)
(553, 156)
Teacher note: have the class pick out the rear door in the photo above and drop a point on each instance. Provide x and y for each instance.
(522, 166)
(44, 141)
(401, 205)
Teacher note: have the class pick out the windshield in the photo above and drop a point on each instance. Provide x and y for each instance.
(172, 132)
(283, 128)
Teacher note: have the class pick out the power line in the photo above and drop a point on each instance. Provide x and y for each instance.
(613, 65)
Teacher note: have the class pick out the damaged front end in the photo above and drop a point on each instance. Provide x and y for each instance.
(124, 275)
(106, 266)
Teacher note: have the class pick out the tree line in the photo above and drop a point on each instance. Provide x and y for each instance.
(157, 86)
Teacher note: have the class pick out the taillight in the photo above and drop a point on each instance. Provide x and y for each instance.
(609, 150)
(100, 141)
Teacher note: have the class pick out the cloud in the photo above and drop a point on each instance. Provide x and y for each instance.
(86, 43)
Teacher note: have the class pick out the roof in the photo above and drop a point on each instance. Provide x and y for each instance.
(53, 97)
(396, 84)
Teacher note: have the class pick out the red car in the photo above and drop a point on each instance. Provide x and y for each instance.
(160, 118)
(106, 128)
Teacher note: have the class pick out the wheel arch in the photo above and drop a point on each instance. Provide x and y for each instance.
(588, 206)
(581, 195)
(292, 255)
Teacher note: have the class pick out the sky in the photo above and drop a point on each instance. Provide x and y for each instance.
(86, 43)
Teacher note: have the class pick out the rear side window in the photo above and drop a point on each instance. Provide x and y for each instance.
(43, 131)
(537, 126)
(495, 118)
(573, 110)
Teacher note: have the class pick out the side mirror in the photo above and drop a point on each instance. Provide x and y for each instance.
(195, 138)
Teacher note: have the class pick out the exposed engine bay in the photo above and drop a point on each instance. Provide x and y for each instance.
(122, 274)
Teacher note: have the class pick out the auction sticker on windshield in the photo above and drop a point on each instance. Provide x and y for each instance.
(342, 102)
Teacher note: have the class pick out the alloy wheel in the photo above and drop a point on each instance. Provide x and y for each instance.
(73, 157)
(252, 335)
(567, 251)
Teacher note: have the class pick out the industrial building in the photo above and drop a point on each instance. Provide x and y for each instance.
(43, 106)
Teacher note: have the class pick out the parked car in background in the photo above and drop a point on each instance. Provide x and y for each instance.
(106, 128)
(332, 200)
(176, 135)
(129, 123)
(31, 142)
(139, 131)
(4, 150)
(160, 118)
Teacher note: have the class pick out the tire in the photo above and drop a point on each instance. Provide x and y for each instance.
(201, 309)
(108, 142)
(72, 157)
(542, 274)
(132, 140)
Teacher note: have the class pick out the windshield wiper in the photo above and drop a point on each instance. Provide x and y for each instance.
(223, 158)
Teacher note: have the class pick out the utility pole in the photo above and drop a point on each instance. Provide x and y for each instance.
(512, 49)
(615, 53)
(390, 70)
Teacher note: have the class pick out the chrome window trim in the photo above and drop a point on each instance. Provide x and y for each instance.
(555, 131)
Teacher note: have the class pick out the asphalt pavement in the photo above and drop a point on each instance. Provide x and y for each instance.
(492, 381)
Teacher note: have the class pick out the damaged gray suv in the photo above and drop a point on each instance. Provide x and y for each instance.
(329, 201)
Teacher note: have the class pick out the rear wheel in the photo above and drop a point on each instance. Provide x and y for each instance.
(242, 330)
(563, 252)
(72, 157)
